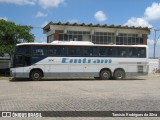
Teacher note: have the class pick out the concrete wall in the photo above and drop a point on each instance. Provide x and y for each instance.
(4, 64)
(154, 65)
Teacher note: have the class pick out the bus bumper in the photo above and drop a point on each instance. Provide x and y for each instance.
(12, 73)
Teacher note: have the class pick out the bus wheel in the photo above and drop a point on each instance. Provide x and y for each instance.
(119, 74)
(36, 75)
(105, 75)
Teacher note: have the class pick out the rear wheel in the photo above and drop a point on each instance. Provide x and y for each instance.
(36, 75)
(119, 74)
(105, 75)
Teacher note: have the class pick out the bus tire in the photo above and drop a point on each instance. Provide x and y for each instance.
(119, 74)
(105, 75)
(36, 75)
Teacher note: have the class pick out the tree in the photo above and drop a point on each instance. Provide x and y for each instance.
(11, 34)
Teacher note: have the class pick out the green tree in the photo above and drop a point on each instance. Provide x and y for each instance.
(12, 34)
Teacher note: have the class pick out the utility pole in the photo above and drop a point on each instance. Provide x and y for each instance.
(155, 42)
(155, 37)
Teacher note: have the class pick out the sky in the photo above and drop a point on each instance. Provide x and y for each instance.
(38, 13)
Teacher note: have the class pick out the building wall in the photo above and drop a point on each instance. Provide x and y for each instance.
(4, 63)
(145, 39)
(56, 35)
(4, 66)
(116, 38)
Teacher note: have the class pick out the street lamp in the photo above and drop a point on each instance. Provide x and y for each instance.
(155, 41)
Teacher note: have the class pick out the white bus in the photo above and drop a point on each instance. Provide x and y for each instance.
(78, 59)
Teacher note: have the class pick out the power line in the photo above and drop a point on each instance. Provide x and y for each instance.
(37, 27)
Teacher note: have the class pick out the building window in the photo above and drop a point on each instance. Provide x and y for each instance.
(97, 38)
(50, 38)
(103, 38)
(75, 36)
(129, 39)
(100, 37)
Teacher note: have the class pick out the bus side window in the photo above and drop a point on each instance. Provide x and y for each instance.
(105, 52)
(27, 60)
(56, 51)
(130, 54)
(78, 51)
(74, 51)
(52, 51)
(110, 52)
(40, 50)
(62, 50)
(71, 51)
(19, 60)
(134, 52)
(86, 51)
(118, 52)
(94, 51)
(102, 51)
(141, 52)
(23, 50)
(123, 53)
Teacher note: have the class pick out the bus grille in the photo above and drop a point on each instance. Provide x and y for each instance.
(140, 69)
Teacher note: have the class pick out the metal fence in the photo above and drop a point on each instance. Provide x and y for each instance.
(154, 65)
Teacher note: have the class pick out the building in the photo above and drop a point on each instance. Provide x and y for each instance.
(98, 34)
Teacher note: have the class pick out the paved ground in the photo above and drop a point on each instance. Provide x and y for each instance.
(81, 95)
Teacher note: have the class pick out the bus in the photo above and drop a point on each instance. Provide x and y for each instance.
(78, 59)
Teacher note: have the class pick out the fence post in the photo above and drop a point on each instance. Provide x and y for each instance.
(159, 64)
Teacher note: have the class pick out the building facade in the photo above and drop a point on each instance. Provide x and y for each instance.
(98, 34)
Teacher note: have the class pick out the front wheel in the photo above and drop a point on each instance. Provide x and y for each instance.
(36, 75)
(105, 75)
(119, 74)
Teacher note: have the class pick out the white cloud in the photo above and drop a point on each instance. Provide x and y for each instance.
(50, 3)
(40, 14)
(43, 3)
(3, 18)
(137, 22)
(100, 16)
(152, 13)
(19, 2)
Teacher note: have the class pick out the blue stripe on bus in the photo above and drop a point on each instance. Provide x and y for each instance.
(74, 60)
(36, 59)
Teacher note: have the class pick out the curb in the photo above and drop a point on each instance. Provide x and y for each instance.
(5, 78)
(151, 75)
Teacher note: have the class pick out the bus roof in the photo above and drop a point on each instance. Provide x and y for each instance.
(73, 42)
(87, 43)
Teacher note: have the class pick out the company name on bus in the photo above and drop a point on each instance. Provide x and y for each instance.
(85, 60)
